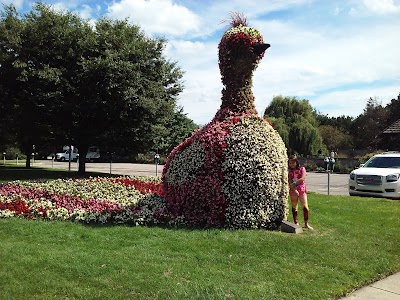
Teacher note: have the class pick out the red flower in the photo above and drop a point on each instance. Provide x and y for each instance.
(141, 186)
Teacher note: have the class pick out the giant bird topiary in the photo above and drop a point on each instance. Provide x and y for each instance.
(232, 172)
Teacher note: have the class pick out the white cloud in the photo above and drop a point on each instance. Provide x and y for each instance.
(352, 102)
(306, 64)
(382, 6)
(156, 16)
(318, 52)
(61, 6)
(86, 11)
(193, 55)
(336, 11)
(303, 62)
(17, 3)
(251, 8)
(374, 7)
(202, 94)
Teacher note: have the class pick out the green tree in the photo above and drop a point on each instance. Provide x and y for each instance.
(392, 141)
(301, 133)
(107, 85)
(179, 127)
(5, 59)
(280, 125)
(342, 123)
(393, 109)
(336, 132)
(368, 126)
(334, 137)
(125, 93)
(32, 72)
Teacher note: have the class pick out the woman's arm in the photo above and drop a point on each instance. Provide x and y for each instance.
(302, 178)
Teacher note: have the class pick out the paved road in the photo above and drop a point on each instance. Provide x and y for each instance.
(316, 182)
(113, 168)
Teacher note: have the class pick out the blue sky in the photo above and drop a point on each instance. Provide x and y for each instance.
(335, 53)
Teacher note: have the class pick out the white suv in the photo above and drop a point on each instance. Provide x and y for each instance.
(379, 176)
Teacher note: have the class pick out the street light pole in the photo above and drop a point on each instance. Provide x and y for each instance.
(156, 161)
(329, 181)
(69, 157)
(33, 153)
(329, 165)
(111, 155)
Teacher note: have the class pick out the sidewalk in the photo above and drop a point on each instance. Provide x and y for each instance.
(385, 289)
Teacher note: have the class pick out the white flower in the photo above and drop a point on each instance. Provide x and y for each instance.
(255, 175)
(186, 163)
(6, 213)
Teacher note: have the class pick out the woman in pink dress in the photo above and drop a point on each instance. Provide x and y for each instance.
(298, 190)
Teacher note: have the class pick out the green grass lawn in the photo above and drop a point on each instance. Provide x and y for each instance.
(355, 242)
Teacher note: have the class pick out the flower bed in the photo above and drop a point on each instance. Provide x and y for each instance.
(130, 200)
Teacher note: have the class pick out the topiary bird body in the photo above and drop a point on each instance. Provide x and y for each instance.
(232, 172)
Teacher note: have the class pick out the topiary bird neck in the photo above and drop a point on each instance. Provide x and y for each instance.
(237, 99)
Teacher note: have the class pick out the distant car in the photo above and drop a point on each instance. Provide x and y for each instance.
(378, 177)
(93, 154)
(64, 156)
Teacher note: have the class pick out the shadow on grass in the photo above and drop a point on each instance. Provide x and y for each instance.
(10, 173)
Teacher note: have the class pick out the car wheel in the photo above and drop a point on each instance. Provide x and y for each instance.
(62, 159)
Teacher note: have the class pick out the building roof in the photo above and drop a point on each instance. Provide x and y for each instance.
(394, 128)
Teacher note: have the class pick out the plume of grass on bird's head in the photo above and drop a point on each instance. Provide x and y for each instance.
(238, 24)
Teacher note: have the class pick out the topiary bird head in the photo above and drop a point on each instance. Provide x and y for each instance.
(240, 50)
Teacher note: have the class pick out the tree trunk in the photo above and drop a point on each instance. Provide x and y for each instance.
(28, 158)
(83, 149)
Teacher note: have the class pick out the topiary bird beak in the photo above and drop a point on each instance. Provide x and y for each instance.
(260, 48)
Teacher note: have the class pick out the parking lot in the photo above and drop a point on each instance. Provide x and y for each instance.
(316, 182)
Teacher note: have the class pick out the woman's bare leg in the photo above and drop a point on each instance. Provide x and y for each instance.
(294, 199)
(304, 204)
